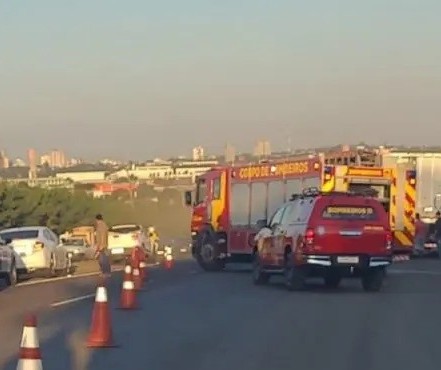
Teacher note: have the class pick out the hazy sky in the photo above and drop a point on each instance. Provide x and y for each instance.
(141, 78)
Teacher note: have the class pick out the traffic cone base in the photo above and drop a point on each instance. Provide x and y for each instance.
(168, 263)
(100, 335)
(137, 280)
(29, 353)
(143, 270)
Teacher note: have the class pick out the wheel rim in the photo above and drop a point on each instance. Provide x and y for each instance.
(207, 253)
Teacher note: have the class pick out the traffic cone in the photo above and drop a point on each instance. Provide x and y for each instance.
(168, 262)
(128, 295)
(137, 280)
(128, 271)
(29, 354)
(100, 335)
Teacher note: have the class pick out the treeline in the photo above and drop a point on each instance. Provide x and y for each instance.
(62, 209)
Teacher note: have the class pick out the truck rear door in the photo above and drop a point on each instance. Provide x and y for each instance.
(343, 227)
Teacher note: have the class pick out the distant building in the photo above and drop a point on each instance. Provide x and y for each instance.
(19, 163)
(32, 161)
(353, 156)
(262, 148)
(198, 153)
(230, 153)
(58, 158)
(4, 160)
(45, 159)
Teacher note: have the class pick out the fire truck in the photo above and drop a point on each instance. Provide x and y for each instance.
(408, 183)
(233, 203)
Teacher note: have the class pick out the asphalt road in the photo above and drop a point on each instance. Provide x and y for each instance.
(196, 320)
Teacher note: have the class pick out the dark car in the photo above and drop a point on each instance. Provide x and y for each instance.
(329, 235)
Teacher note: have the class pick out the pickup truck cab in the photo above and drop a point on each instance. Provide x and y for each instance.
(330, 235)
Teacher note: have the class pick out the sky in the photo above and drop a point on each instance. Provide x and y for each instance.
(140, 79)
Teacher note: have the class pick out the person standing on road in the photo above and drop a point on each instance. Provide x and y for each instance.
(420, 234)
(102, 253)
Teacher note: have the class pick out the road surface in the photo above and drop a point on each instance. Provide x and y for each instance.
(196, 320)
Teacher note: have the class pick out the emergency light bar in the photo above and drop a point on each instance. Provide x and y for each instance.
(314, 192)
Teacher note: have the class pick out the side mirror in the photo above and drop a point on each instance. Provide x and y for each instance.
(261, 223)
(188, 198)
(7, 241)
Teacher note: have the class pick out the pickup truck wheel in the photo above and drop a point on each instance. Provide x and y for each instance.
(12, 277)
(207, 255)
(294, 276)
(260, 277)
(372, 279)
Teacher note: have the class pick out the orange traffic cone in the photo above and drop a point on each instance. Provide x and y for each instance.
(168, 261)
(128, 271)
(100, 335)
(137, 280)
(29, 354)
(128, 295)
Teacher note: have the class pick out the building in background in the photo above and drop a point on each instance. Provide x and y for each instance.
(230, 153)
(198, 153)
(4, 160)
(45, 159)
(32, 161)
(58, 158)
(262, 148)
(55, 159)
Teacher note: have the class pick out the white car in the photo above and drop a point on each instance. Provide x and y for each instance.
(8, 269)
(124, 238)
(36, 249)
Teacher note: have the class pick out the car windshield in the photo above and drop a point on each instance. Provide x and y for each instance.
(124, 229)
(75, 242)
(348, 212)
(19, 234)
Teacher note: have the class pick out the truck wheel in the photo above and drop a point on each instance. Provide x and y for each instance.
(372, 279)
(207, 253)
(294, 276)
(260, 277)
(332, 279)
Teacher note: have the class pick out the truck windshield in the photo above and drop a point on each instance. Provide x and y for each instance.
(201, 191)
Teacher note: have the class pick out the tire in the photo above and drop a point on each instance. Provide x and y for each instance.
(64, 271)
(332, 279)
(294, 277)
(372, 279)
(12, 277)
(206, 254)
(51, 272)
(260, 277)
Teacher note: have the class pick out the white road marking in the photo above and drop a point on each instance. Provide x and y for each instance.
(50, 280)
(72, 300)
(416, 272)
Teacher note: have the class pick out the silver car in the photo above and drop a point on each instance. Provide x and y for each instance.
(8, 267)
(76, 247)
